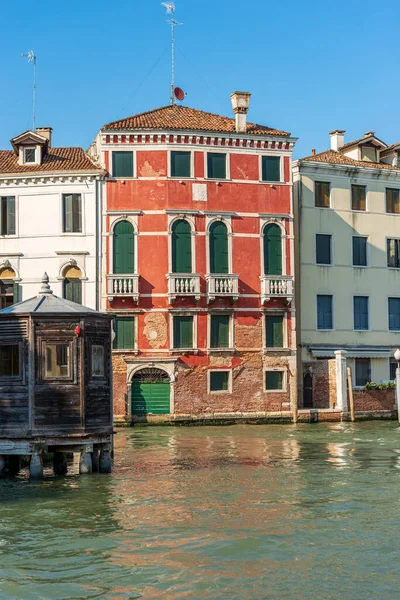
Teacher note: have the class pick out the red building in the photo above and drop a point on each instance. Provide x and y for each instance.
(198, 245)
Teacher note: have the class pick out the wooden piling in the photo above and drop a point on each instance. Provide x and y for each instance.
(351, 398)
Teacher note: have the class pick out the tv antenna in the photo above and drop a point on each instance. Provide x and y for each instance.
(170, 6)
(31, 56)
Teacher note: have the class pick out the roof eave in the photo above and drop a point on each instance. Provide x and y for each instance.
(22, 175)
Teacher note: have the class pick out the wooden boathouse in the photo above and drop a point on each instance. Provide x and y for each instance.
(55, 384)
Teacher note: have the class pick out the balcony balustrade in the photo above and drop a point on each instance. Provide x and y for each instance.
(183, 285)
(222, 286)
(276, 286)
(123, 286)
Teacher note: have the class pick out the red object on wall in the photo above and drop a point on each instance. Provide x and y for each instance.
(78, 330)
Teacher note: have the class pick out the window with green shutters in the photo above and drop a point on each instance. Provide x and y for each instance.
(72, 213)
(359, 251)
(216, 165)
(271, 168)
(323, 247)
(218, 237)
(272, 250)
(181, 247)
(324, 311)
(274, 331)
(122, 164)
(392, 201)
(183, 331)
(123, 249)
(180, 164)
(358, 197)
(124, 329)
(274, 381)
(219, 334)
(219, 381)
(73, 289)
(7, 215)
(322, 191)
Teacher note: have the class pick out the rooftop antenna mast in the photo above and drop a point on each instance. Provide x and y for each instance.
(170, 6)
(31, 56)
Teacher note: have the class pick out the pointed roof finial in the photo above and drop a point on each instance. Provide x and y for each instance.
(45, 288)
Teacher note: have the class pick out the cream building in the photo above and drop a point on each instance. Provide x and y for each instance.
(348, 248)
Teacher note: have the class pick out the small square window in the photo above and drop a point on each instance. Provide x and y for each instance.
(323, 245)
(274, 381)
(122, 164)
(57, 361)
(358, 197)
(180, 164)
(216, 165)
(98, 368)
(322, 194)
(219, 381)
(10, 360)
(29, 155)
(271, 168)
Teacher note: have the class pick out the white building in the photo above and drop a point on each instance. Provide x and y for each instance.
(348, 242)
(50, 219)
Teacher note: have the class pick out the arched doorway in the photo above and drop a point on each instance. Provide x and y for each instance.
(72, 284)
(307, 391)
(150, 392)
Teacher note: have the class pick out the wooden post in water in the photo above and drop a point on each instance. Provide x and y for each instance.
(351, 398)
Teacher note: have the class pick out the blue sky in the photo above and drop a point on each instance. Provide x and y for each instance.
(311, 66)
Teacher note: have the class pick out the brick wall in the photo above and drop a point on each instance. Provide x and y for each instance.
(367, 400)
(324, 382)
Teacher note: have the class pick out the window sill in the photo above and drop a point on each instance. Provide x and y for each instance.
(217, 180)
(112, 178)
(281, 350)
(358, 210)
(220, 349)
(120, 351)
(73, 234)
(182, 177)
(9, 235)
(324, 265)
(184, 350)
(324, 207)
(220, 392)
(273, 182)
(274, 391)
(360, 266)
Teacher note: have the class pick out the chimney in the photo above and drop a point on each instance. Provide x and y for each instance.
(45, 132)
(369, 134)
(337, 138)
(313, 152)
(240, 105)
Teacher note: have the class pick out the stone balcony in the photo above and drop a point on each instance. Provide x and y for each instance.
(276, 286)
(222, 286)
(123, 286)
(183, 285)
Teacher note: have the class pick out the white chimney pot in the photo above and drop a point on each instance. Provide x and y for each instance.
(240, 104)
(337, 139)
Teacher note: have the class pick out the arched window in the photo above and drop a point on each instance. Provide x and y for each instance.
(8, 287)
(219, 262)
(72, 285)
(123, 249)
(181, 247)
(272, 250)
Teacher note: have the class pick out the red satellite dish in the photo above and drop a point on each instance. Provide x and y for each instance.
(179, 94)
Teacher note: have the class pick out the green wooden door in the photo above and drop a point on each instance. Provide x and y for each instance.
(181, 247)
(272, 250)
(150, 393)
(73, 289)
(219, 248)
(123, 249)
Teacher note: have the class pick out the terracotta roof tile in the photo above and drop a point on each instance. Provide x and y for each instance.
(177, 117)
(335, 157)
(56, 159)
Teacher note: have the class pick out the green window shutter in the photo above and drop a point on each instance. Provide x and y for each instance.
(76, 213)
(216, 165)
(124, 328)
(183, 332)
(393, 253)
(73, 289)
(219, 331)
(68, 213)
(323, 249)
(219, 381)
(180, 164)
(272, 250)
(274, 380)
(10, 215)
(181, 247)
(271, 168)
(123, 249)
(274, 331)
(394, 314)
(15, 293)
(122, 164)
(324, 312)
(359, 251)
(219, 248)
(360, 311)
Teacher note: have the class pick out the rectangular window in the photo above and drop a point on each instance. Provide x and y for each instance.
(322, 191)
(274, 381)
(29, 155)
(323, 246)
(358, 197)
(183, 332)
(219, 335)
(392, 201)
(392, 369)
(7, 215)
(363, 371)
(72, 213)
(122, 164)
(98, 368)
(216, 165)
(9, 360)
(180, 164)
(57, 361)
(361, 313)
(274, 331)
(124, 329)
(8, 295)
(394, 314)
(219, 381)
(393, 253)
(271, 168)
(359, 251)
(324, 312)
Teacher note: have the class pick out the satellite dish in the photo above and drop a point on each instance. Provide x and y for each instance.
(179, 94)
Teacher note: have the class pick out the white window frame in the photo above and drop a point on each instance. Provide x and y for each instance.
(316, 311)
(285, 332)
(331, 264)
(231, 346)
(182, 313)
(210, 219)
(32, 162)
(281, 168)
(386, 211)
(284, 380)
(330, 194)
(228, 391)
(216, 150)
(178, 178)
(369, 312)
(190, 219)
(367, 252)
(134, 158)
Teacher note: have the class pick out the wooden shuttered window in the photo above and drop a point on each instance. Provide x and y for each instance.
(274, 380)
(123, 249)
(7, 216)
(322, 191)
(363, 371)
(219, 381)
(219, 335)
(219, 262)
(181, 247)
(271, 168)
(272, 250)
(324, 312)
(124, 329)
(394, 314)
(393, 253)
(216, 165)
(182, 332)
(323, 245)
(72, 213)
(361, 316)
(392, 201)
(359, 251)
(274, 331)
(73, 289)
(122, 164)
(180, 164)
(358, 197)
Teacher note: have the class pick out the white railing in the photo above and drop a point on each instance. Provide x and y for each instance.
(222, 285)
(123, 286)
(276, 286)
(183, 284)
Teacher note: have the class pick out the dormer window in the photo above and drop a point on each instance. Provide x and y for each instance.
(368, 153)
(29, 155)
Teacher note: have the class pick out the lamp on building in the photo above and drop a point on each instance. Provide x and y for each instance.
(397, 357)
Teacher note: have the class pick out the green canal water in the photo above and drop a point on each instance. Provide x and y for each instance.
(244, 512)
